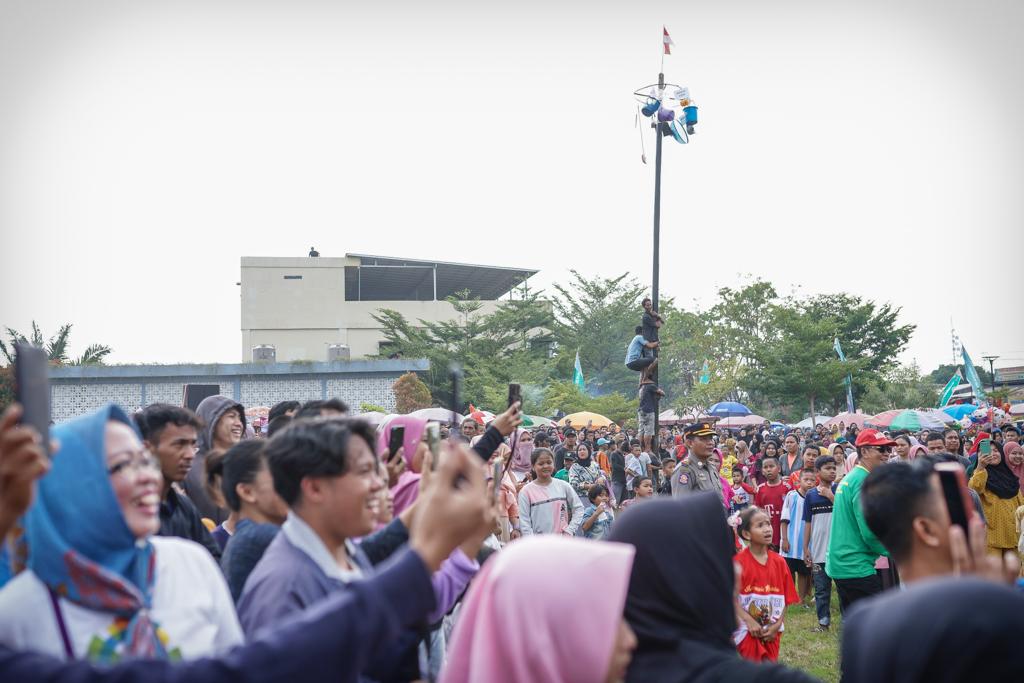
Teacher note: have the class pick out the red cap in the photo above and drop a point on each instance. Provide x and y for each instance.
(872, 437)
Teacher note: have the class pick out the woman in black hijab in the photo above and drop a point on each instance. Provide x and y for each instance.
(681, 598)
(950, 629)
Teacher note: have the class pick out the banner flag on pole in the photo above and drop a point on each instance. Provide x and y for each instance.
(947, 391)
(577, 373)
(972, 375)
(667, 40)
(849, 377)
(705, 373)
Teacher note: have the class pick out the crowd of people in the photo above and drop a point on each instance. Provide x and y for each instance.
(176, 545)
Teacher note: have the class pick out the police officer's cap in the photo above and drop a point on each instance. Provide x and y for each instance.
(699, 429)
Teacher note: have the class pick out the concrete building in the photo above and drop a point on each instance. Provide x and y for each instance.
(321, 308)
(79, 389)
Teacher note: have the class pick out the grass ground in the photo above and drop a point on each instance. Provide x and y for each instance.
(815, 653)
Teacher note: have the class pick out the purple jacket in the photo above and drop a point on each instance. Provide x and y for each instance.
(330, 643)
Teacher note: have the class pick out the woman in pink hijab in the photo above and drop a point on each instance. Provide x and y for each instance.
(1014, 455)
(519, 626)
(414, 447)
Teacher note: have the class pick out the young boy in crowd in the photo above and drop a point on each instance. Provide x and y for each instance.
(817, 527)
(742, 492)
(567, 461)
(809, 455)
(668, 466)
(771, 495)
(597, 514)
(635, 468)
(791, 532)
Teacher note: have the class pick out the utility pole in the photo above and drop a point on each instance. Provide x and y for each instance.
(991, 370)
(661, 103)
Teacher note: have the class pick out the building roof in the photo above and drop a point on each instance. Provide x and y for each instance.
(381, 278)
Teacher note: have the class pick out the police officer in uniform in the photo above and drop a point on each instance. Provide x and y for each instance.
(694, 473)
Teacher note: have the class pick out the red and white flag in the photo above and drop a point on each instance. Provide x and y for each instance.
(667, 40)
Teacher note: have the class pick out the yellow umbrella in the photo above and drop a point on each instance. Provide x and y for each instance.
(578, 420)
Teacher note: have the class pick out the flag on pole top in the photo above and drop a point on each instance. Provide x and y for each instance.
(667, 40)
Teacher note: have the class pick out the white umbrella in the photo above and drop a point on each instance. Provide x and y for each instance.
(436, 415)
(374, 417)
(817, 420)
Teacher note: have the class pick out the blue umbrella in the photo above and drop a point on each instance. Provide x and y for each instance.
(729, 409)
(959, 412)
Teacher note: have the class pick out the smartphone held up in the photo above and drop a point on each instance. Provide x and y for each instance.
(32, 389)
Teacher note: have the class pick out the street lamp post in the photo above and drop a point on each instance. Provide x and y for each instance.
(991, 370)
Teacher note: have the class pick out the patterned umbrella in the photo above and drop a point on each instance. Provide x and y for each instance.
(882, 419)
(915, 421)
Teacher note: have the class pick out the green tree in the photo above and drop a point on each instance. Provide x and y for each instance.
(56, 346)
(410, 393)
(512, 344)
(566, 396)
(899, 387)
(597, 316)
(941, 374)
(868, 332)
(798, 362)
(6, 387)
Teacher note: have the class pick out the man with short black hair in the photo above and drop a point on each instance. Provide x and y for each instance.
(636, 354)
(327, 473)
(171, 434)
(935, 442)
(853, 548)
(332, 407)
(568, 445)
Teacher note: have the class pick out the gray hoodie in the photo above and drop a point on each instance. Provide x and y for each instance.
(209, 411)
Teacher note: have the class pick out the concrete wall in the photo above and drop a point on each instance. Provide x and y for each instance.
(301, 318)
(82, 389)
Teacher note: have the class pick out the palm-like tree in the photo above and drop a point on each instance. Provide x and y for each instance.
(56, 347)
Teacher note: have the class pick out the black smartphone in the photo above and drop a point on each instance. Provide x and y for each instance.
(954, 490)
(32, 389)
(515, 393)
(395, 441)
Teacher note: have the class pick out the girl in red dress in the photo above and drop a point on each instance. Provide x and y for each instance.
(766, 588)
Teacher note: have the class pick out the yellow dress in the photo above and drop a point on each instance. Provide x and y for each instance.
(999, 514)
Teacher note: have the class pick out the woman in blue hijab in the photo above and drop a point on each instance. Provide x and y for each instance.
(99, 584)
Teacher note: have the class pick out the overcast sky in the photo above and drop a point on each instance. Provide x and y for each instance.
(868, 147)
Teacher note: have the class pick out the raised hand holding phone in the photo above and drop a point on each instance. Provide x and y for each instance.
(22, 461)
